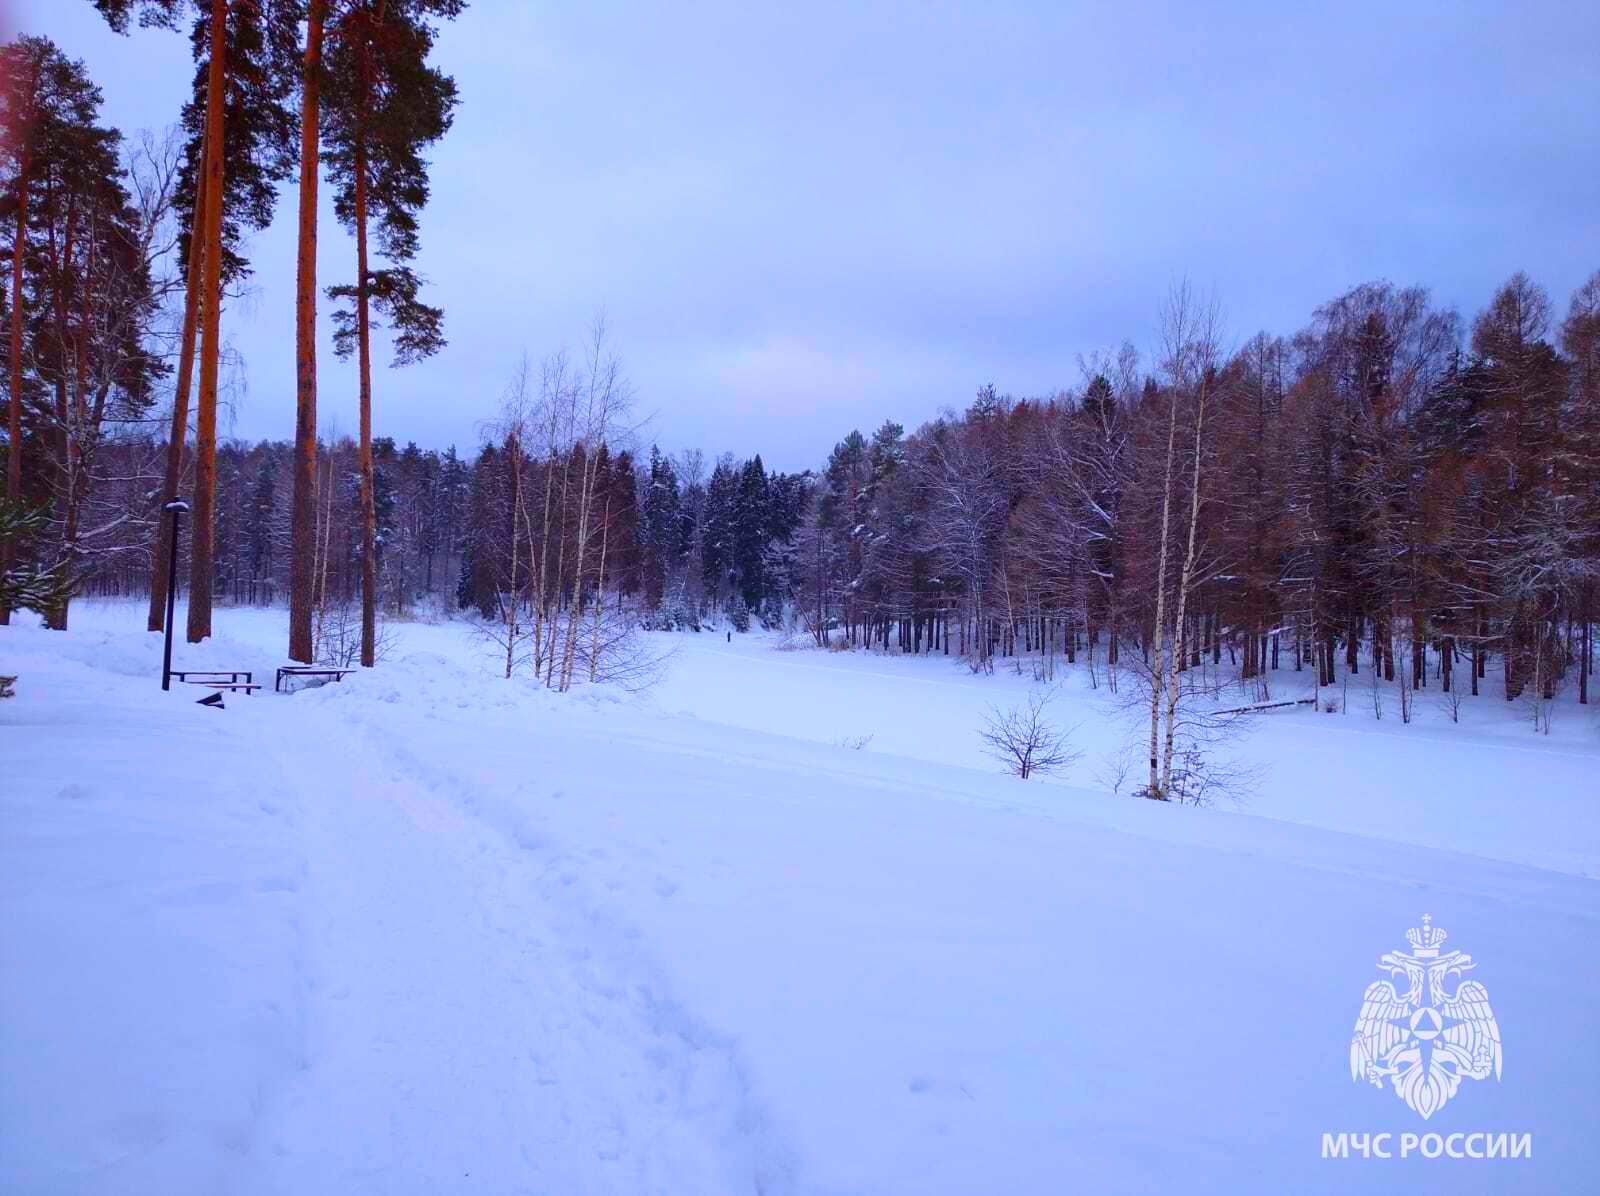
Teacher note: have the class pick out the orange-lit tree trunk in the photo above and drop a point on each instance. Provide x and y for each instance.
(205, 466)
(23, 121)
(303, 517)
(369, 507)
(179, 431)
(384, 104)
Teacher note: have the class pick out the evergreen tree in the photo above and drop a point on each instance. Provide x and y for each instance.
(82, 300)
(303, 517)
(232, 166)
(383, 106)
(750, 532)
(661, 533)
(717, 532)
(260, 530)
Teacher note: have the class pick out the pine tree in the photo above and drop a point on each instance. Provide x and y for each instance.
(749, 533)
(30, 126)
(24, 583)
(232, 166)
(302, 564)
(82, 297)
(383, 105)
(717, 530)
(660, 528)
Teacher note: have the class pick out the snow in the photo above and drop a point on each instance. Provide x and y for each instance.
(1463, 787)
(429, 931)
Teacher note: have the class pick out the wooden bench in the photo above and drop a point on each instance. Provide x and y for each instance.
(290, 671)
(248, 687)
(212, 676)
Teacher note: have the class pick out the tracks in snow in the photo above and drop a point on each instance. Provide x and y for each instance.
(477, 1020)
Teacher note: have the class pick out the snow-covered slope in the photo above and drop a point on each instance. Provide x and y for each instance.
(426, 931)
(1488, 785)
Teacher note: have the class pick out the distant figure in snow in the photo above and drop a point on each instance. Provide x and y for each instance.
(730, 637)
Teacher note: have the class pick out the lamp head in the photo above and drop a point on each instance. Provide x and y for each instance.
(177, 506)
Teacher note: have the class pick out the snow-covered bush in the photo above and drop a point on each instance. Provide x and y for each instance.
(675, 615)
(771, 614)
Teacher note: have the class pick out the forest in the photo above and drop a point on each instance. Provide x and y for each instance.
(1391, 487)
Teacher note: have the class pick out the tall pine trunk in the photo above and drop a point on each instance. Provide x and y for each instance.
(369, 505)
(178, 433)
(205, 465)
(303, 512)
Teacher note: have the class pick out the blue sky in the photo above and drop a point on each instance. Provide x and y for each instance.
(804, 218)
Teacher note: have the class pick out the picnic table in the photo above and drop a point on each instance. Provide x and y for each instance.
(291, 671)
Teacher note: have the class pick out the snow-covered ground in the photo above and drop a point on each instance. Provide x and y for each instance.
(427, 931)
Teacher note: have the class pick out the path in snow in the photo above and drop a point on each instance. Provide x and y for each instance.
(473, 1027)
(944, 981)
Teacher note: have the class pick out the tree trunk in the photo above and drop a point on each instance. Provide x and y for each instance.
(369, 504)
(1186, 575)
(156, 618)
(539, 570)
(303, 512)
(511, 603)
(585, 497)
(1158, 670)
(203, 526)
(561, 559)
(66, 442)
(14, 411)
(599, 597)
(1585, 649)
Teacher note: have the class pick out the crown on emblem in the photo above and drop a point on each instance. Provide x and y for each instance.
(1426, 937)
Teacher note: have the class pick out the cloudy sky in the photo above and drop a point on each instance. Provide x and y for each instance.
(803, 218)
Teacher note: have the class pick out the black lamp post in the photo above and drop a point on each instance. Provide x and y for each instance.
(177, 507)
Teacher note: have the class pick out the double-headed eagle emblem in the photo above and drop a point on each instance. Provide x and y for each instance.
(1420, 1037)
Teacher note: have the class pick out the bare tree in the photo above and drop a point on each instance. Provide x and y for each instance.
(605, 397)
(1023, 739)
(512, 432)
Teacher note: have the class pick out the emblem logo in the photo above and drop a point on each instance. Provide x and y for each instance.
(1418, 1034)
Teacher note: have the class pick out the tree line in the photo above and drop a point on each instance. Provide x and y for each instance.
(1386, 489)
